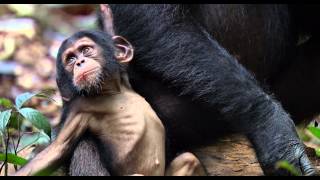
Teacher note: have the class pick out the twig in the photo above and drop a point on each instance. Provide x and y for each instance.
(6, 160)
(4, 149)
(15, 152)
(5, 163)
(19, 138)
(19, 132)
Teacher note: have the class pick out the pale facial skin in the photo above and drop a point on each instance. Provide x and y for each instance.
(83, 59)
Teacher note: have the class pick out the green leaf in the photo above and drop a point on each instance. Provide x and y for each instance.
(38, 138)
(315, 131)
(46, 94)
(44, 139)
(15, 120)
(37, 119)
(5, 103)
(13, 159)
(4, 119)
(317, 152)
(22, 98)
(28, 140)
(287, 166)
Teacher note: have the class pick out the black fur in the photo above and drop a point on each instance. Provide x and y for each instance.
(199, 89)
(88, 147)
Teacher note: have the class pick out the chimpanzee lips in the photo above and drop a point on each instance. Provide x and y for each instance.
(86, 75)
(87, 78)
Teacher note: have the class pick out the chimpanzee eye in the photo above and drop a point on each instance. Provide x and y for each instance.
(71, 59)
(86, 50)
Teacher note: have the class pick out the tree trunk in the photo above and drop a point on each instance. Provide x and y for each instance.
(234, 156)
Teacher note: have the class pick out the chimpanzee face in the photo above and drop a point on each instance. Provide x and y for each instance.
(84, 61)
(87, 59)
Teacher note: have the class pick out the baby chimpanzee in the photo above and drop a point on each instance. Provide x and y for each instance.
(94, 84)
(132, 137)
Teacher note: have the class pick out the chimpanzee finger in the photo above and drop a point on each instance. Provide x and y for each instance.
(107, 18)
(306, 166)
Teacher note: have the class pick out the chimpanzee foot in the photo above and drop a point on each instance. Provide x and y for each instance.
(295, 155)
(277, 140)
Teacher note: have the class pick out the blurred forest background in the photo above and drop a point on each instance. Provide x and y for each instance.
(30, 36)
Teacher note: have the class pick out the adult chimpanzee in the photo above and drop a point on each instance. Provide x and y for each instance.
(187, 67)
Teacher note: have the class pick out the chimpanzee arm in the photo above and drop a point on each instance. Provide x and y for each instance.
(53, 156)
(170, 45)
(85, 159)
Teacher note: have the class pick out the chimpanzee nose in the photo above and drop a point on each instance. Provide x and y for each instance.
(81, 62)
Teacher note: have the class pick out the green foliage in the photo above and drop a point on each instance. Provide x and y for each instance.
(6, 103)
(317, 150)
(37, 119)
(46, 94)
(4, 120)
(22, 98)
(13, 159)
(16, 120)
(12, 117)
(314, 131)
(37, 138)
(32, 115)
(289, 167)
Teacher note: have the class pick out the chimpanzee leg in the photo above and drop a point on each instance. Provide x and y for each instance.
(186, 164)
(169, 45)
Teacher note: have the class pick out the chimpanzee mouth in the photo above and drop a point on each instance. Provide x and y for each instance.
(89, 81)
(86, 76)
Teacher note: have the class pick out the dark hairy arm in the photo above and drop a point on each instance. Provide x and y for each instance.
(185, 56)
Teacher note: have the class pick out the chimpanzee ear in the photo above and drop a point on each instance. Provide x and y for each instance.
(124, 49)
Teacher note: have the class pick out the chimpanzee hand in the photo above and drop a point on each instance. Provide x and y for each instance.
(278, 141)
